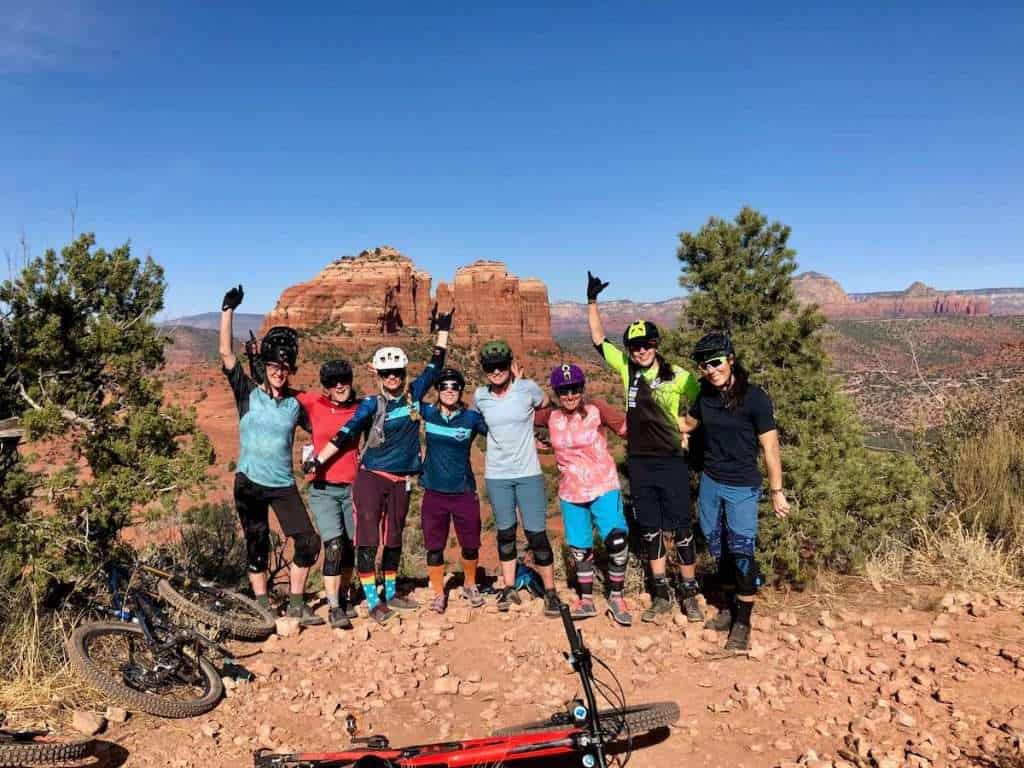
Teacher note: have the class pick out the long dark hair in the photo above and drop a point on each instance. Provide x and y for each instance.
(665, 370)
(734, 396)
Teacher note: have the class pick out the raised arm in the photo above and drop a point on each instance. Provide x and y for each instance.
(232, 299)
(594, 287)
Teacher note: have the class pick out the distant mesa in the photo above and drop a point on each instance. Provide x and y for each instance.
(381, 292)
(917, 300)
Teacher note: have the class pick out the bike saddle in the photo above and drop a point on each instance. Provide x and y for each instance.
(372, 761)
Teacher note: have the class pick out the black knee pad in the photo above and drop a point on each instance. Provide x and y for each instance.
(366, 559)
(333, 552)
(616, 544)
(685, 547)
(748, 575)
(391, 558)
(507, 544)
(435, 557)
(654, 542)
(307, 549)
(470, 554)
(348, 552)
(257, 546)
(542, 554)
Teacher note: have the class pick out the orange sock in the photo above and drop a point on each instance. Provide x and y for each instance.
(436, 574)
(469, 569)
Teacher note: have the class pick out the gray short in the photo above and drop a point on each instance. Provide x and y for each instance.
(332, 509)
(527, 493)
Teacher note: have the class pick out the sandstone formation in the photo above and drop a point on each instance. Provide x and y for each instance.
(918, 300)
(380, 292)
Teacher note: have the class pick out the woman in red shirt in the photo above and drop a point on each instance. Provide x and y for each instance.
(330, 490)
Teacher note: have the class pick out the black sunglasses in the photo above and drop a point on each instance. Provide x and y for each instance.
(492, 367)
(449, 386)
(574, 390)
(639, 346)
(397, 372)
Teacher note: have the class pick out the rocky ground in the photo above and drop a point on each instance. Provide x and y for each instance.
(909, 677)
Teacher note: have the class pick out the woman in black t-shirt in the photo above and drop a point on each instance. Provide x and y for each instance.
(738, 421)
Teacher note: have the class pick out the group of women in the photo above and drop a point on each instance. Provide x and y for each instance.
(366, 454)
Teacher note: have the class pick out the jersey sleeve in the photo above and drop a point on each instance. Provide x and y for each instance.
(762, 413)
(689, 389)
(426, 380)
(241, 386)
(479, 425)
(614, 356)
(611, 417)
(360, 420)
(305, 420)
(533, 392)
(541, 416)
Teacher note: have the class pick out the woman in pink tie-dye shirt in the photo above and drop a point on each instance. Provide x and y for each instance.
(588, 490)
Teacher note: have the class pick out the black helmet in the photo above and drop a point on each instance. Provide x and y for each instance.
(640, 330)
(451, 374)
(335, 372)
(280, 345)
(714, 344)
(495, 351)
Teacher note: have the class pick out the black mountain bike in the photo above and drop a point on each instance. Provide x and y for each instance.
(24, 748)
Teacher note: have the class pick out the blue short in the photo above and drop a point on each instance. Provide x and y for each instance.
(737, 505)
(579, 520)
(525, 492)
(331, 505)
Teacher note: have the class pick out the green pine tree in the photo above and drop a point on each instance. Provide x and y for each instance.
(847, 498)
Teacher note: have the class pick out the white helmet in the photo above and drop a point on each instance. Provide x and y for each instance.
(389, 358)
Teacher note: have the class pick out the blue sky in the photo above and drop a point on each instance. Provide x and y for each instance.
(247, 142)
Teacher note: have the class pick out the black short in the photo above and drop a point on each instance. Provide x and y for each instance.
(253, 500)
(660, 488)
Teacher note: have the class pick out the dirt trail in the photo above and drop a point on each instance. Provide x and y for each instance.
(905, 678)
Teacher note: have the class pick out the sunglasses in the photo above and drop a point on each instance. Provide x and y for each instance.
(449, 386)
(640, 346)
(495, 367)
(277, 368)
(563, 391)
(336, 384)
(398, 373)
(714, 362)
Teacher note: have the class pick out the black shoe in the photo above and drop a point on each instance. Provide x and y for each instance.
(508, 597)
(381, 613)
(739, 638)
(338, 618)
(721, 623)
(305, 616)
(552, 605)
(689, 604)
(660, 606)
(348, 608)
(403, 603)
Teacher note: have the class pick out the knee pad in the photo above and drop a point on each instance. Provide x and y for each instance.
(435, 557)
(366, 559)
(390, 559)
(685, 547)
(584, 558)
(333, 553)
(348, 552)
(616, 544)
(654, 542)
(748, 575)
(307, 549)
(542, 554)
(507, 544)
(257, 547)
(470, 554)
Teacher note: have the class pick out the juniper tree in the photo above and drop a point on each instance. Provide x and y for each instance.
(739, 277)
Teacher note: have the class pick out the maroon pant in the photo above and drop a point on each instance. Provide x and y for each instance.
(441, 509)
(378, 502)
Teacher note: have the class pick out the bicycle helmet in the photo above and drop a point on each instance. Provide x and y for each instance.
(495, 351)
(714, 344)
(567, 375)
(335, 372)
(389, 359)
(450, 374)
(640, 330)
(280, 345)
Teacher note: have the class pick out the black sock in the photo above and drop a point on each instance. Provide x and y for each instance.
(743, 609)
(661, 587)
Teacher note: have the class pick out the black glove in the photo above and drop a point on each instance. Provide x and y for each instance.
(232, 298)
(311, 466)
(440, 321)
(594, 287)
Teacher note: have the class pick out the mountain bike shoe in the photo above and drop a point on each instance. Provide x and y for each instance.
(722, 622)
(349, 608)
(472, 594)
(552, 605)
(692, 609)
(739, 638)
(617, 610)
(403, 603)
(660, 607)
(583, 609)
(381, 613)
(508, 597)
(338, 619)
(439, 603)
(305, 616)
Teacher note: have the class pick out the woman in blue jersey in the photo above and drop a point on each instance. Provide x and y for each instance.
(389, 464)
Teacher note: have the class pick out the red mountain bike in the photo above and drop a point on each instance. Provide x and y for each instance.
(584, 731)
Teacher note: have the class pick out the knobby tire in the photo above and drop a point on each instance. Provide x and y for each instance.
(638, 719)
(248, 621)
(41, 751)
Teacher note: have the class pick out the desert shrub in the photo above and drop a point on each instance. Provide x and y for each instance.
(212, 545)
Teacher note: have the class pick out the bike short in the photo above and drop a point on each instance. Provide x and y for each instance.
(253, 501)
(737, 505)
(660, 487)
(380, 505)
(604, 512)
(331, 505)
(440, 510)
(525, 492)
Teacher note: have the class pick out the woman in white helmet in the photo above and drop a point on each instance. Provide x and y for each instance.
(390, 462)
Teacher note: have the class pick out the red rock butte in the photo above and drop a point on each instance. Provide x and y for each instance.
(918, 300)
(380, 292)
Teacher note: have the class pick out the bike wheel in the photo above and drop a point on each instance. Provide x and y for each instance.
(223, 609)
(633, 720)
(115, 657)
(32, 749)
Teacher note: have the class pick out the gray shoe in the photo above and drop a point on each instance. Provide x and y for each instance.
(660, 607)
(721, 623)
(508, 597)
(403, 603)
(439, 603)
(381, 613)
(617, 610)
(739, 638)
(305, 616)
(552, 605)
(338, 619)
(476, 600)
(583, 609)
(692, 609)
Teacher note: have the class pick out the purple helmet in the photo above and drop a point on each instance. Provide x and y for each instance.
(567, 375)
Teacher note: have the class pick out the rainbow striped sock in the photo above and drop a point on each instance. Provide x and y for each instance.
(369, 582)
(389, 585)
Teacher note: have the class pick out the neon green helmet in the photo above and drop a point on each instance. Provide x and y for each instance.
(640, 330)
